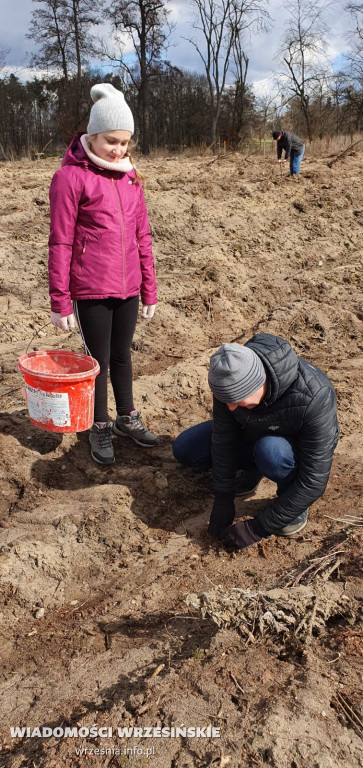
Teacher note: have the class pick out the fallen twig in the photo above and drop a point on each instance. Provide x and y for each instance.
(350, 519)
(236, 682)
(343, 153)
(348, 710)
(10, 391)
(157, 671)
(318, 565)
(332, 661)
(331, 570)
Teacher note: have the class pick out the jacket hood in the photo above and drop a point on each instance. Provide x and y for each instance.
(280, 361)
(75, 154)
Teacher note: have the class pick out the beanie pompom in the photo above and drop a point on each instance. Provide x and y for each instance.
(103, 89)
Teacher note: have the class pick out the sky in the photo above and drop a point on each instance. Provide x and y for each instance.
(260, 48)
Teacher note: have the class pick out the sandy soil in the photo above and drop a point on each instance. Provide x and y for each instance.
(104, 620)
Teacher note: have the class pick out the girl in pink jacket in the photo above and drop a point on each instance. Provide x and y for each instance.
(101, 260)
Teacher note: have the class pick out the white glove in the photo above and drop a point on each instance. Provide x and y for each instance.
(148, 311)
(62, 322)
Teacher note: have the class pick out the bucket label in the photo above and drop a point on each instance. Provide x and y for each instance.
(47, 407)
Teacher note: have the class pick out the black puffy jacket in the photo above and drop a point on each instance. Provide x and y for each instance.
(300, 404)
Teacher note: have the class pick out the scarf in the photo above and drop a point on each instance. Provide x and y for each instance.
(124, 165)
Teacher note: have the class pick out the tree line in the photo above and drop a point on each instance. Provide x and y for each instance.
(175, 107)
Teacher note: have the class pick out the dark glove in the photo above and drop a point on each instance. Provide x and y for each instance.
(222, 514)
(240, 536)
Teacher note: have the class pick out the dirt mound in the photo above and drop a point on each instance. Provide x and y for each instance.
(96, 562)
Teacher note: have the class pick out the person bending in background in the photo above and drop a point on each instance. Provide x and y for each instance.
(294, 149)
(100, 257)
(274, 415)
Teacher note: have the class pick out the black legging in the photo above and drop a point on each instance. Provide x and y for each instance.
(108, 327)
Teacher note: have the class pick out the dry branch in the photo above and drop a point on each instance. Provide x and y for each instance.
(324, 565)
(349, 519)
(335, 160)
(342, 702)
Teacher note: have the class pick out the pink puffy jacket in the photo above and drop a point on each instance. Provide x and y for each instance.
(100, 242)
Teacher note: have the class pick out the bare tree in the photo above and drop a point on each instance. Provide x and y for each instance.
(354, 59)
(62, 29)
(266, 114)
(356, 12)
(146, 25)
(241, 96)
(303, 54)
(222, 23)
(347, 85)
(50, 28)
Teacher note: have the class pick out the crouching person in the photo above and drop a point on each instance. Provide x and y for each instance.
(274, 415)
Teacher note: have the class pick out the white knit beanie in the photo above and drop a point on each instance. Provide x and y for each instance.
(110, 111)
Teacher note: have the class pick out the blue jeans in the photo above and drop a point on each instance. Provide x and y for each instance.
(295, 161)
(272, 456)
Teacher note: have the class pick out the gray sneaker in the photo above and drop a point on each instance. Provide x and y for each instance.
(296, 526)
(132, 426)
(100, 438)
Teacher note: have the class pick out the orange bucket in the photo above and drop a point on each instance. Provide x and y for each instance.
(59, 389)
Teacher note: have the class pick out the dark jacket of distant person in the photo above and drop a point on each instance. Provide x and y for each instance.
(290, 143)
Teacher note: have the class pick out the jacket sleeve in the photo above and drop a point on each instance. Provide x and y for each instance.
(64, 199)
(317, 441)
(147, 264)
(226, 434)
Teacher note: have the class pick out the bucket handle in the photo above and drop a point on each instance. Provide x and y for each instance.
(72, 330)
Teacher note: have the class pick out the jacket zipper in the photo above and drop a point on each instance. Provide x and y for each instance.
(123, 249)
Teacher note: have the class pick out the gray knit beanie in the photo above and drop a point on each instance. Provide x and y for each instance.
(235, 372)
(110, 111)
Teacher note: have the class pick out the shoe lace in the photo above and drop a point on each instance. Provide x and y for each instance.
(136, 423)
(104, 436)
